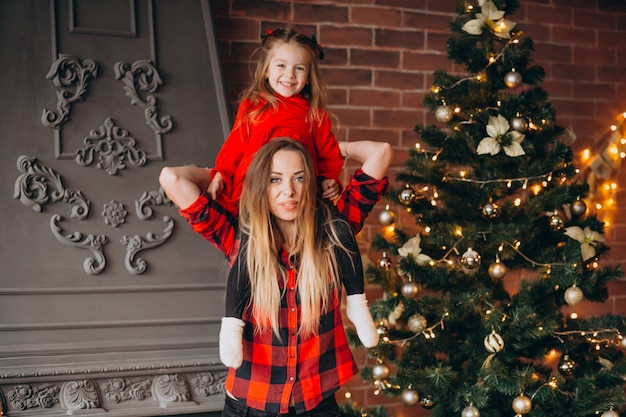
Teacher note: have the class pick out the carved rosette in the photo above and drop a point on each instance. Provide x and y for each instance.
(209, 383)
(113, 147)
(117, 390)
(66, 72)
(25, 397)
(114, 213)
(79, 395)
(171, 388)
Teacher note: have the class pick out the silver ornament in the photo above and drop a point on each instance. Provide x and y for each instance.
(519, 123)
(566, 365)
(512, 79)
(410, 396)
(556, 221)
(387, 217)
(493, 342)
(409, 289)
(491, 211)
(416, 323)
(407, 195)
(579, 208)
(470, 411)
(573, 295)
(522, 404)
(497, 270)
(384, 262)
(470, 259)
(443, 114)
(380, 371)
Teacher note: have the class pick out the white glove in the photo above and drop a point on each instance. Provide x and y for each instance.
(231, 344)
(359, 315)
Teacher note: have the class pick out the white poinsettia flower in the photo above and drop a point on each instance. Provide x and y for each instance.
(587, 239)
(491, 17)
(498, 130)
(412, 247)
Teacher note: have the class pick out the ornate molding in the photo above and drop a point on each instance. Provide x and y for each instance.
(116, 390)
(136, 244)
(68, 71)
(142, 76)
(113, 146)
(114, 213)
(209, 383)
(25, 397)
(39, 185)
(147, 199)
(79, 395)
(171, 388)
(92, 243)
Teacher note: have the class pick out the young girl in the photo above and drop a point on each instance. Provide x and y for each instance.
(286, 98)
(291, 249)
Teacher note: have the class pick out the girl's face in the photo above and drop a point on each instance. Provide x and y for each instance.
(285, 188)
(288, 70)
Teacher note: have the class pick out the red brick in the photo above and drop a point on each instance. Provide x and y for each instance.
(425, 61)
(348, 77)
(594, 56)
(537, 32)
(575, 35)
(448, 6)
(375, 58)
(352, 116)
(426, 21)
(405, 39)
(567, 71)
(238, 29)
(391, 118)
(374, 98)
(337, 96)
(406, 81)
(557, 15)
(561, 89)
(335, 56)
(594, 20)
(594, 91)
(552, 52)
(342, 36)
(318, 12)
(378, 16)
(576, 4)
(404, 4)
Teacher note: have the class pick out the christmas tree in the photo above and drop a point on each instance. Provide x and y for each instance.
(496, 197)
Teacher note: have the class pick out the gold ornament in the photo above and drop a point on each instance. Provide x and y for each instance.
(410, 289)
(519, 123)
(512, 79)
(522, 404)
(470, 411)
(556, 221)
(410, 396)
(573, 295)
(470, 259)
(497, 270)
(416, 323)
(427, 402)
(566, 365)
(493, 342)
(579, 208)
(491, 211)
(443, 114)
(384, 262)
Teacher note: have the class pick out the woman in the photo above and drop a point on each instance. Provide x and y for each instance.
(289, 251)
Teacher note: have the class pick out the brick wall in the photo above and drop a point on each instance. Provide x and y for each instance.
(379, 60)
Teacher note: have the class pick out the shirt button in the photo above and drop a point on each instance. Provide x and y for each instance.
(291, 378)
(292, 288)
(293, 309)
(293, 356)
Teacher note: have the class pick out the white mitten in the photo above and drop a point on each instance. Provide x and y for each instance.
(231, 344)
(359, 315)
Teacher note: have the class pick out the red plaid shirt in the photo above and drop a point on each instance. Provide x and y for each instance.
(306, 369)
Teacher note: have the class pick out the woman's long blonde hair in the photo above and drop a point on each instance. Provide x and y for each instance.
(259, 88)
(317, 236)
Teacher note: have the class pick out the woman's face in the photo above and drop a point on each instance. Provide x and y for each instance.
(285, 187)
(288, 70)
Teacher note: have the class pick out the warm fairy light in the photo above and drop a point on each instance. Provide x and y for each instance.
(462, 174)
(613, 128)
(536, 189)
(573, 316)
(598, 206)
(586, 154)
(418, 146)
(435, 89)
(518, 202)
(458, 232)
(348, 395)
(433, 202)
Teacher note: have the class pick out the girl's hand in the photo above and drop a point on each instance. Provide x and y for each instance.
(216, 186)
(330, 189)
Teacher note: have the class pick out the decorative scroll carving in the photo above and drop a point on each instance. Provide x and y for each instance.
(136, 244)
(169, 389)
(114, 213)
(142, 75)
(24, 397)
(209, 383)
(122, 389)
(79, 395)
(68, 71)
(39, 185)
(142, 206)
(113, 146)
(92, 243)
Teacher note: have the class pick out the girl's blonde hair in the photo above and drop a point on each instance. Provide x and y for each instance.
(260, 89)
(317, 237)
